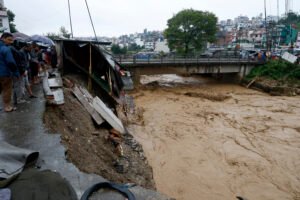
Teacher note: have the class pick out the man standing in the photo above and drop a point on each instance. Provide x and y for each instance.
(8, 67)
(25, 56)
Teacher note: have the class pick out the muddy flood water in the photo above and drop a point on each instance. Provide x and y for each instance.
(216, 141)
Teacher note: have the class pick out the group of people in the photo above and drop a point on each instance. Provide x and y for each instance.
(20, 64)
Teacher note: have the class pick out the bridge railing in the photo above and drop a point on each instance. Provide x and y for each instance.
(133, 59)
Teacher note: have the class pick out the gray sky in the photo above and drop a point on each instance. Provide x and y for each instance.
(117, 17)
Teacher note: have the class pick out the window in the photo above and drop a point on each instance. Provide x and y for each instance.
(1, 22)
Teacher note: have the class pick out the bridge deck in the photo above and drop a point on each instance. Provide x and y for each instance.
(131, 62)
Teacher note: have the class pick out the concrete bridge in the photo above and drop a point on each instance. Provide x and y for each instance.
(179, 65)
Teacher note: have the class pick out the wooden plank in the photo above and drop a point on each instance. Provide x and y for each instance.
(90, 70)
(108, 115)
(86, 101)
(86, 93)
(251, 82)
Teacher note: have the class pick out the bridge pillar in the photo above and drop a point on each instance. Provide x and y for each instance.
(244, 71)
(135, 76)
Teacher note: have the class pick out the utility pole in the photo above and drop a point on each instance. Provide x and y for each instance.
(277, 10)
(70, 18)
(266, 27)
(287, 7)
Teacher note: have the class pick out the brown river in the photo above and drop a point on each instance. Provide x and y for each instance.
(209, 140)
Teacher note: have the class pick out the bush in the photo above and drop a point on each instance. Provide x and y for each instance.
(277, 70)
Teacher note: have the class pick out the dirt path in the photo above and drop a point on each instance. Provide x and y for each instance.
(221, 141)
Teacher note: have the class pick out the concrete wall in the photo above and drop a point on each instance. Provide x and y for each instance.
(162, 47)
(244, 71)
(5, 23)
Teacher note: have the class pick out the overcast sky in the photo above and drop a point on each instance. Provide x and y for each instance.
(118, 17)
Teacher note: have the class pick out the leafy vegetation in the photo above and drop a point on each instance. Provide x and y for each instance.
(117, 50)
(277, 70)
(63, 33)
(292, 18)
(190, 30)
(11, 19)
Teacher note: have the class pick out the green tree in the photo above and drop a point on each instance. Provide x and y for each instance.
(11, 18)
(64, 32)
(292, 18)
(134, 47)
(189, 30)
(116, 49)
(52, 36)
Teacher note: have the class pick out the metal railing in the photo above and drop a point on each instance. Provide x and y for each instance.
(133, 60)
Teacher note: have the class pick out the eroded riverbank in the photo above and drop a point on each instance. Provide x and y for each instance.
(202, 146)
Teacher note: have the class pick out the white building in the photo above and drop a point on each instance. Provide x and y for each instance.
(4, 24)
(241, 19)
(149, 46)
(298, 40)
(139, 41)
(162, 47)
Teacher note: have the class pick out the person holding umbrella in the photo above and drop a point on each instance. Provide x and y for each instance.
(34, 62)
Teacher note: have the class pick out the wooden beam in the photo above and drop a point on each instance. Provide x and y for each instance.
(86, 99)
(90, 70)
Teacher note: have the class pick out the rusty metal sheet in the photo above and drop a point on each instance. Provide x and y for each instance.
(86, 100)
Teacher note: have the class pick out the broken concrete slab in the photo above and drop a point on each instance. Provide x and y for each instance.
(108, 115)
(53, 90)
(55, 82)
(58, 96)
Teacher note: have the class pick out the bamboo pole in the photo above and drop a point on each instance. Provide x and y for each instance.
(90, 70)
(251, 82)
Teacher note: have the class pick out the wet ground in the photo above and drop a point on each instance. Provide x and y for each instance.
(210, 140)
(24, 128)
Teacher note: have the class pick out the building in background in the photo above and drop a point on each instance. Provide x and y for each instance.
(4, 24)
(162, 46)
(298, 40)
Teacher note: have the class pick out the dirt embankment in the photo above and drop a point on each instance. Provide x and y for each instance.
(88, 147)
(273, 87)
(219, 141)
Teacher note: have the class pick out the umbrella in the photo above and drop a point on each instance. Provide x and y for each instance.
(21, 37)
(42, 39)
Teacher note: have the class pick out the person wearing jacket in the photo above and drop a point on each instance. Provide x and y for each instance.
(8, 68)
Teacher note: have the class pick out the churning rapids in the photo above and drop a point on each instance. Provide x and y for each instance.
(210, 140)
